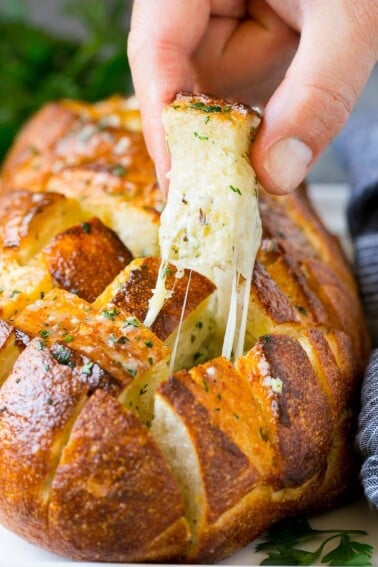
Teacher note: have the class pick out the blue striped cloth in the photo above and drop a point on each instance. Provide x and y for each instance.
(358, 149)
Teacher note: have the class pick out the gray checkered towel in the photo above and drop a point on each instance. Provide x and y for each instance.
(358, 149)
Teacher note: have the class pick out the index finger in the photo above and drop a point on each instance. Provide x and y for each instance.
(162, 38)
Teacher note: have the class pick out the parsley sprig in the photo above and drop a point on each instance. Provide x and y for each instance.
(280, 543)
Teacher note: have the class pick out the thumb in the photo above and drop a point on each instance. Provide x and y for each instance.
(313, 102)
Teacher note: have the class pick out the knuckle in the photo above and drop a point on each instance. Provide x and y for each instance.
(333, 104)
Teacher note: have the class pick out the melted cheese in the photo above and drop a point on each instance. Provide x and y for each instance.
(211, 221)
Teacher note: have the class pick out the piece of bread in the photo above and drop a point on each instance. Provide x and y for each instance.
(120, 442)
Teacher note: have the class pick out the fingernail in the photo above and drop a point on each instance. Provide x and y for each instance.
(286, 163)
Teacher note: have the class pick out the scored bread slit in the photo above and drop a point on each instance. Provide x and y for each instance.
(57, 451)
(174, 441)
(211, 222)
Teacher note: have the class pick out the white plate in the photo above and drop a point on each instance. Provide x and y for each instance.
(330, 200)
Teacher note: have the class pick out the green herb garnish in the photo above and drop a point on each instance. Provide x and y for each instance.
(119, 170)
(14, 293)
(44, 334)
(68, 338)
(131, 322)
(166, 272)
(235, 189)
(87, 368)
(148, 344)
(197, 135)
(132, 371)
(301, 309)
(209, 107)
(63, 356)
(143, 390)
(110, 313)
(281, 539)
(86, 227)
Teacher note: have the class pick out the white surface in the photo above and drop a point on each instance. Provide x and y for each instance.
(330, 201)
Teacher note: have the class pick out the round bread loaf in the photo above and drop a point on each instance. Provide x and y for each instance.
(106, 455)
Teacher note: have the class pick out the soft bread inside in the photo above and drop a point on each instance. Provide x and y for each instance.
(174, 440)
(211, 222)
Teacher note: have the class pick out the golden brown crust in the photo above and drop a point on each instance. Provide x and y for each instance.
(28, 221)
(112, 475)
(220, 459)
(267, 436)
(39, 135)
(38, 403)
(211, 104)
(133, 289)
(74, 262)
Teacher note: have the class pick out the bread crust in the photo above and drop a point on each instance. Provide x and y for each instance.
(105, 455)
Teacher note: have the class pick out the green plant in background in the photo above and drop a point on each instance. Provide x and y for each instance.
(38, 66)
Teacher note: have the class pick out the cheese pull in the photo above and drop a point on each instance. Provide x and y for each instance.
(211, 221)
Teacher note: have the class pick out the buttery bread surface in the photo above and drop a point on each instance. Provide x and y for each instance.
(106, 454)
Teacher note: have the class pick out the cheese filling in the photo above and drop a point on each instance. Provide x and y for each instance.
(211, 222)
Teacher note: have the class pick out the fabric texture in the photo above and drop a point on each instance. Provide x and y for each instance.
(357, 147)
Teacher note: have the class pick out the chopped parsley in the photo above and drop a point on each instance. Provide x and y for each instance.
(197, 135)
(199, 325)
(166, 272)
(14, 293)
(110, 313)
(44, 334)
(301, 309)
(148, 343)
(86, 227)
(68, 338)
(143, 390)
(206, 385)
(235, 189)
(119, 170)
(132, 371)
(209, 107)
(131, 322)
(87, 368)
(62, 355)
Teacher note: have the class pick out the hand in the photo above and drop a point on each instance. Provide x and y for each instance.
(308, 60)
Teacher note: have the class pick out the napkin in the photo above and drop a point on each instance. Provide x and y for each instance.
(357, 147)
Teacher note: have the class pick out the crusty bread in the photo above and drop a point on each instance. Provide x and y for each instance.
(106, 455)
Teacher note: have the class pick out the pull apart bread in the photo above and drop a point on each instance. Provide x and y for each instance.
(166, 408)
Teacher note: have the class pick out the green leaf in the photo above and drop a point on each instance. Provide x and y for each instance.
(288, 532)
(280, 541)
(349, 552)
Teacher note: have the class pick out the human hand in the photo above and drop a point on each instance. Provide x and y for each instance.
(241, 49)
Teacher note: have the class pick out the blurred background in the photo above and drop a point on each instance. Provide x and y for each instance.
(51, 49)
